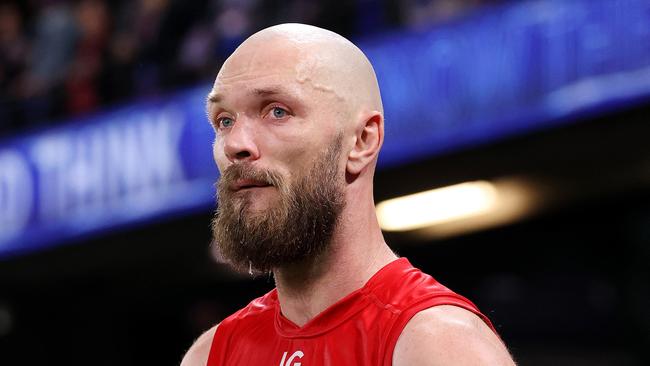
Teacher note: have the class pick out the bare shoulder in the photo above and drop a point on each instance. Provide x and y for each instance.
(449, 335)
(197, 355)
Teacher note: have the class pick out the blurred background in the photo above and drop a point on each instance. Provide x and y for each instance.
(526, 122)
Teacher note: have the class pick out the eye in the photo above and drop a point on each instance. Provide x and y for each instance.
(225, 122)
(278, 112)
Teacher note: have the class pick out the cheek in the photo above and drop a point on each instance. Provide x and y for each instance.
(295, 153)
(218, 154)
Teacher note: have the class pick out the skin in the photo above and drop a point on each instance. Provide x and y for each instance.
(327, 87)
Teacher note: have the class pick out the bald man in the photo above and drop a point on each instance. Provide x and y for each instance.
(299, 124)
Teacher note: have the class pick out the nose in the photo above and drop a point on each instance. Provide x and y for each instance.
(240, 143)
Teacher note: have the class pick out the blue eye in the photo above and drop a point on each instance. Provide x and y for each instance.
(226, 122)
(279, 112)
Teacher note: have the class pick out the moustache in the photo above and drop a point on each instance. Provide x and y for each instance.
(233, 177)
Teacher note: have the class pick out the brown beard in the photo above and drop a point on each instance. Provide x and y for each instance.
(296, 226)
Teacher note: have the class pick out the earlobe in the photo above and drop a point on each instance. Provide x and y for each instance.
(369, 137)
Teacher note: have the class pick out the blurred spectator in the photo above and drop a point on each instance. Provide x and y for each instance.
(122, 57)
(52, 51)
(87, 67)
(232, 25)
(147, 19)
(197, 52)
(13, 54)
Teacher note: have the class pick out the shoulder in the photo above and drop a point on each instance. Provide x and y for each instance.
(255, 314)
(197, 355)
(449, 335)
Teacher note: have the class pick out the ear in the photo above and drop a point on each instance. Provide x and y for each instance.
(369, 136)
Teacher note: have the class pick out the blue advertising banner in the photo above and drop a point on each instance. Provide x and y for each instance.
(515, 68)
(118, 168)
(507, 70)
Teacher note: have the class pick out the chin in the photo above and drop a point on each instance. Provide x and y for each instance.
(259, 200)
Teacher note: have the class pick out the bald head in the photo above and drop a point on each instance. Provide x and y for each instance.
(318, 58)
(291, 90)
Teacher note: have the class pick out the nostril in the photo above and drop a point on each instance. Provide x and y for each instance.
(243, 154)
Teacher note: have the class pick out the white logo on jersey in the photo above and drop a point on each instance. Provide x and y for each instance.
(290, 362)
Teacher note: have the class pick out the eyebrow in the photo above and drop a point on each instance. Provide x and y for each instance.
(269, 91)
(213, 98)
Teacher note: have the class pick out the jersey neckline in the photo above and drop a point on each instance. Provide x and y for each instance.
(341, 310)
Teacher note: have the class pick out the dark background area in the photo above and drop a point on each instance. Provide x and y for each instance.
(567, 285)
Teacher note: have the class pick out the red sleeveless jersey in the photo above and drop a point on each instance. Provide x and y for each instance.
(360, 329)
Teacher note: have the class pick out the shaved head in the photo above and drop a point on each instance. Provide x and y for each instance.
(318, 58)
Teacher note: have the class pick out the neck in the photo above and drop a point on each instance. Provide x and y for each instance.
(307, 288)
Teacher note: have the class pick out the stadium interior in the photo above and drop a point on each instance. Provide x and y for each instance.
(564, 275)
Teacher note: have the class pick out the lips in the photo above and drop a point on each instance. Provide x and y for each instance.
(241, 184)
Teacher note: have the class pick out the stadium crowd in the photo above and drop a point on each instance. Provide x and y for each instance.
(61, 59)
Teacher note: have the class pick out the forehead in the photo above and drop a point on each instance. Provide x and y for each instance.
(260, 60)
(264, 63)
(298, 75)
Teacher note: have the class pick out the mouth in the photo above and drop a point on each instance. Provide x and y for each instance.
(245, 184)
